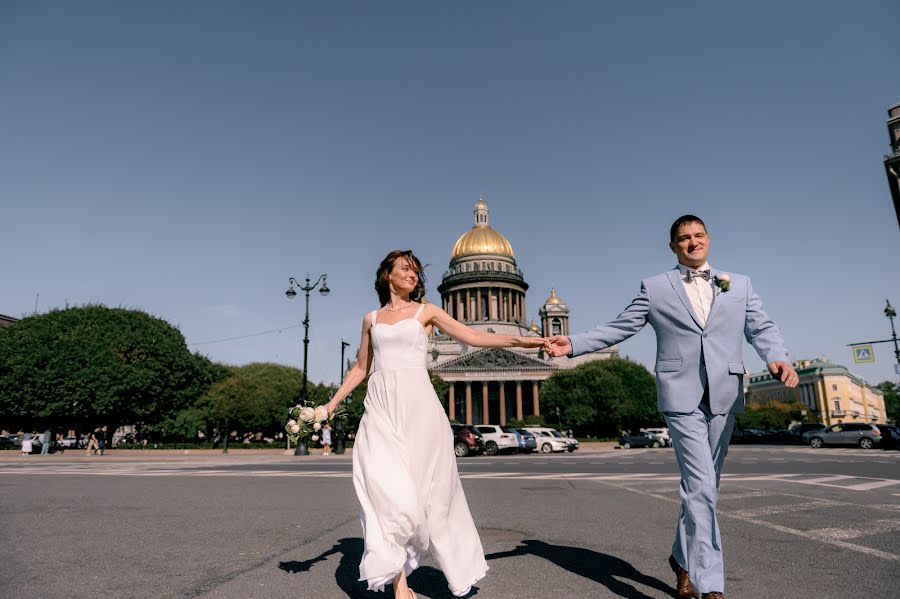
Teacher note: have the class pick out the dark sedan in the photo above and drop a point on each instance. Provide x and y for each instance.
(639, 440)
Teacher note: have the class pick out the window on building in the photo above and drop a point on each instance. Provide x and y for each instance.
(837, 405)
(834, 387)
(556, 327)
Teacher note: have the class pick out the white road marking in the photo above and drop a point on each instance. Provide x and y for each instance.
(874, 485)
(844, 534)
(793, 531)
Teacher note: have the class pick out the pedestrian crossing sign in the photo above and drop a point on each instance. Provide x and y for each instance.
(863, 354)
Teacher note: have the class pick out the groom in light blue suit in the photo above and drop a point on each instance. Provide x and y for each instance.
(700, 315)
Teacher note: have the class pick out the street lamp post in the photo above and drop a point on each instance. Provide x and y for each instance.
(291, 294)
(890, 312)
(339, 421)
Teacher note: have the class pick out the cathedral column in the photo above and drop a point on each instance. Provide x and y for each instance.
(519, 415)
(485, 411)
(502, 403)
(534, 398)
(468, 305)
(478, 304)
(468, 402)
(451, 402)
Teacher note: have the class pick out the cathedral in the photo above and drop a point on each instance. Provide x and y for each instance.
(485, 289)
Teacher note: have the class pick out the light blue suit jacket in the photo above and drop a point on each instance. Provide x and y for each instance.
(688, 356)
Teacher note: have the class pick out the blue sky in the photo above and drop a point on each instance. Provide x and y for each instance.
(186, 158)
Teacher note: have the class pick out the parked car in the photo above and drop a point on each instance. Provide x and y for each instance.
(547, 441)
(639, 440)
(527, 444)
(496, 440)
(810, 426)
(466, 440)
(864, 435)
(661, 434)
(70, 441)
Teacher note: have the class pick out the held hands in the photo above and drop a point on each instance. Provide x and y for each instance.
(785, 373)
(558, 346)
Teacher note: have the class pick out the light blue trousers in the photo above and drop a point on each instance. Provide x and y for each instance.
(701, 440)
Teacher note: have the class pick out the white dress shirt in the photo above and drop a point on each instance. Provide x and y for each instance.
(699, 291)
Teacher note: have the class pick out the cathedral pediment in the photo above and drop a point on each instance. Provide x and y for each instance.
(494, 359)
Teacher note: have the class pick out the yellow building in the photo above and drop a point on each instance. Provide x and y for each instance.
(830, 392)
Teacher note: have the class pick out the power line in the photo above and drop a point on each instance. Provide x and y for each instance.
(246, 336)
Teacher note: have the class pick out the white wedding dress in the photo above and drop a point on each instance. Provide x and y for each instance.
(404, 469)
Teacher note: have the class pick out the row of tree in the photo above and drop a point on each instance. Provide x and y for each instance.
(83, 366)
(89, 365)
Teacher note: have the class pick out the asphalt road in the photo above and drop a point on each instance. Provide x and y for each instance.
(796, 522)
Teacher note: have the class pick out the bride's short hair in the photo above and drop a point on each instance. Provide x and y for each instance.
(383, 287)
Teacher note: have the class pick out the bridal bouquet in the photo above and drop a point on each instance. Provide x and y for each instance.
(305, 421)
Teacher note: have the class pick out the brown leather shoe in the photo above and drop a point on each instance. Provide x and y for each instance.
(683, 586)
(714, 595)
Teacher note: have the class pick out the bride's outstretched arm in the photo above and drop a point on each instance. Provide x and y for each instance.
(358, 371)
(435, 316)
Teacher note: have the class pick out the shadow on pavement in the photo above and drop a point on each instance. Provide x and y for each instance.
(599, 567)
(425, 580)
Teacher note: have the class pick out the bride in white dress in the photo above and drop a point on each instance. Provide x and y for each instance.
(404, 468)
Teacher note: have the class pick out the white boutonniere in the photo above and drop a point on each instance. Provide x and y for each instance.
(723, 282)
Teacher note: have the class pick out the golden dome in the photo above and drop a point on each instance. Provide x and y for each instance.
(553, 299)
(534, 327)
(481, 238)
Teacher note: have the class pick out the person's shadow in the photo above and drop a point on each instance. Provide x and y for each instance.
(604, 569)
(599, 567)
(425, 580)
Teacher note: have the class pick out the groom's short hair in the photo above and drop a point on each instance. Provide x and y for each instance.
(683, 220)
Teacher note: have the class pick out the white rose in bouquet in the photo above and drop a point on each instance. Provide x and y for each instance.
(295, 428)
(307, 414)
(321, 413)
(292, 423)
(315, 437)
(317, 426)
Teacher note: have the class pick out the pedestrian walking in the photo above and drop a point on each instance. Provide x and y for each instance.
(101, 439)
(45, 442)
(326, 439)
(93, 442)
(27, 444)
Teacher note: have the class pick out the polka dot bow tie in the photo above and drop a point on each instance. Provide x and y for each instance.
(697, 274)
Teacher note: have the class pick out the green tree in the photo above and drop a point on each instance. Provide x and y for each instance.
(92, 364)
(770, 415)
(254, 399)
(602, 398)
(891, 399)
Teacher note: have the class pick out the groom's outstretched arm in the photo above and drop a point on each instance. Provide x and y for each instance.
(761, 331)
(626, 324)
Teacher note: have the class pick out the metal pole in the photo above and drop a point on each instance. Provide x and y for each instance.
(225, 441)
(890, 312)
(339, 422)
(307, 289)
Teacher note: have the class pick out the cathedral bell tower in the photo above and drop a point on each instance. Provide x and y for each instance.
(554, 316)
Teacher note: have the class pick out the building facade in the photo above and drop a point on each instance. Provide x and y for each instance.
(484, 288)
(7, 321)
(830, 392)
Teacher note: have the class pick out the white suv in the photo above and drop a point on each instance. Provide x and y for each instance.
(549, 439)
(661, 435)
(495, 440)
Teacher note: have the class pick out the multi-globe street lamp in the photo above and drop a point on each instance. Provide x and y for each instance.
(291, 294)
